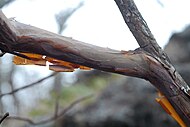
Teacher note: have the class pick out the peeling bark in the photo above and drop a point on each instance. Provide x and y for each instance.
(148, 62)
(29, 39)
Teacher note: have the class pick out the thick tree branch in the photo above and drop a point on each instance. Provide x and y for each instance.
(149, 62)
(172, 86)
(34, 40)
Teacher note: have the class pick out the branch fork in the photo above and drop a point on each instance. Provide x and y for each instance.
(148, 62)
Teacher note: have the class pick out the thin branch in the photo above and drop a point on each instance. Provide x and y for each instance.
(64, 15)
(4, 117)
(27, 86)
(5, 2)
(139, 28)
(57, 90)
(21, 119)
(53, 118)
(16, 101)
(160, 3)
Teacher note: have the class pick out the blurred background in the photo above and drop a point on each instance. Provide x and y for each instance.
(35, 96)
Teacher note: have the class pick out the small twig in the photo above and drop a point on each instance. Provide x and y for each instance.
(74, 103)
(21, 119)
(53, 118)
(56, 107)
(57, 90)
(4, 117)
(160, 3)
(27, 86)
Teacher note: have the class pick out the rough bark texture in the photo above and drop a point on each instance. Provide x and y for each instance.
(166, 79)
(149, 62)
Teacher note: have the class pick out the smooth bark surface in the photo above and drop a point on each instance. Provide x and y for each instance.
(148, 62)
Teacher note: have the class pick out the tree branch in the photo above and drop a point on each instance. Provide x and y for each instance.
(34, 40)
(27, 86)
(53, 118)
(4, 117)
(172, 86)
(149, 63)
(139, 28)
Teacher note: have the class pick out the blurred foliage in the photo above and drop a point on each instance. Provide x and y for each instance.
(94, 85)
(37, 112)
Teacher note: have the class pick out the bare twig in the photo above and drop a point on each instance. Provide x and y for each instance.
(57, 90)
(27, 86)
(160, 3)
(56, 105)
(63, 16)
(53, 118)
(4, 117)
(16, 101)
(21, 119)
(5, 2)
